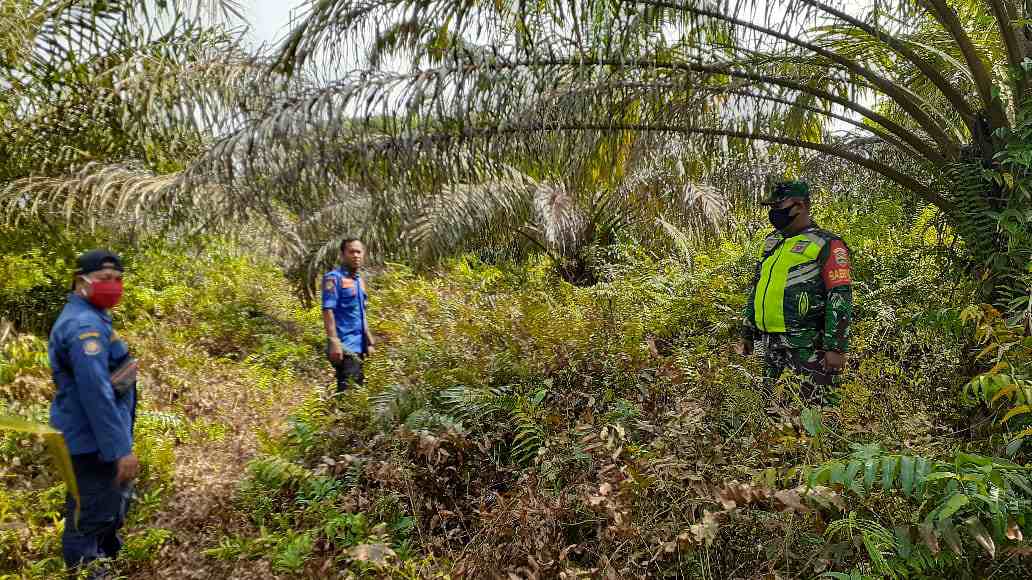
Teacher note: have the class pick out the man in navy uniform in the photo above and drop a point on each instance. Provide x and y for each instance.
(348, 340)
(94, 408)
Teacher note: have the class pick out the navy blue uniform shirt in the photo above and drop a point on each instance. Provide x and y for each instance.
(83, 351)
(344, 294)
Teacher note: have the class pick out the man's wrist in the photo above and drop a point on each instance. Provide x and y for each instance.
(333, 341)
(116, 456)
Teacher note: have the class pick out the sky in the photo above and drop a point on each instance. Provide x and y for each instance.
(269, 19)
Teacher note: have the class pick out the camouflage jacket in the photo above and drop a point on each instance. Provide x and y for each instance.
(802, 290)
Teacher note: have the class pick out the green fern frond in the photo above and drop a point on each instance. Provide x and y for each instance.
(275, 472)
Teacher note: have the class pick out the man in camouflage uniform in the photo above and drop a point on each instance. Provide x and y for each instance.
(801, 302)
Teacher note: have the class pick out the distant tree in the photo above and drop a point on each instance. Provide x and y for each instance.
(101, 101)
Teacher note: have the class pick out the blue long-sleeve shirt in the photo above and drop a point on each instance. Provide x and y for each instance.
(83, 351)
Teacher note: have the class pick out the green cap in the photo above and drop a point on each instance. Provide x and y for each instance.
(786, 189)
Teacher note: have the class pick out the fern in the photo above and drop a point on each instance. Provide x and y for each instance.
(427, 419)
(491, 404)
(396, 403)
(530, 435)
(478, 404)
(877, 540)
(982, 495)
(275, 472)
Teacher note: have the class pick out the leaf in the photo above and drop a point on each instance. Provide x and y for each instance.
(870, 472)
(811, 419)
(791, 500)
(852, 472)
(58, 451)
(904, 542)
(951, 505)
(921, 471)
(1019, 481)
(888, 472)
(929, 537)
(985, 351)
(1008, 390)
(941, 475)
(1019, 410)
(906, 474)
(827, 498)
(1014, 445)
(981, 535)
(949, 533)
(973, 459)
(820, 475)
(838, 473)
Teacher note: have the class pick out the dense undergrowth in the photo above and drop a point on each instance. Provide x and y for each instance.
(217, 333)
(514, 425)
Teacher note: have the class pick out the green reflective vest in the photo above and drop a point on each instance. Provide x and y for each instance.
(789, 292)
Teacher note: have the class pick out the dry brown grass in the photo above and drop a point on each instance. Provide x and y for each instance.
(207, 472)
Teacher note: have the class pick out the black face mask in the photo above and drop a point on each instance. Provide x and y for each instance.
(781, 218)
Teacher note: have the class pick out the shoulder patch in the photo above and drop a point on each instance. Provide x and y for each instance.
(91, 347)
(90, 334)
(329, 285)
(836, 269)
(840, 255)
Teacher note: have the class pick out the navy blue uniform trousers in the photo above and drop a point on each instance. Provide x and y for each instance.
(104, 504)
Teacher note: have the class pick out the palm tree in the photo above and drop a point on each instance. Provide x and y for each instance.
(102, 103)
(936, 89)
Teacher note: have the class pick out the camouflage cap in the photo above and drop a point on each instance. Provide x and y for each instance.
(786, 189)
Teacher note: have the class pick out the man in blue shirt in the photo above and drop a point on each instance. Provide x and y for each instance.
(94, 407)
(348, 340)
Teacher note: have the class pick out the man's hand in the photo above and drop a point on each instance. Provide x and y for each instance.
(128, 468)
(743, 347)
(834, 361)
(336, 350)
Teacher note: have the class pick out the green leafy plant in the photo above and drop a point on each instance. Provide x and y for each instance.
(983, 497)
(876, 539)
(1008, 347)
(523, 413)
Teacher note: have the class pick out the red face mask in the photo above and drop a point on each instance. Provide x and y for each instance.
(105, 293)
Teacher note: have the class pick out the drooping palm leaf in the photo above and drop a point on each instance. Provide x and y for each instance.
(55, 445)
